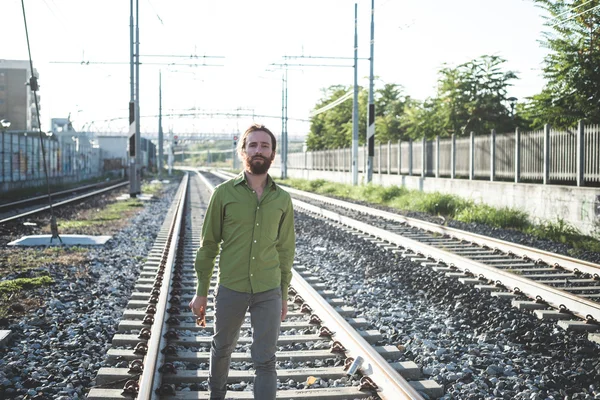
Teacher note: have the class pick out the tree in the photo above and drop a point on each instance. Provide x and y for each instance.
(572, 68)
(471, 97)
(332, 129)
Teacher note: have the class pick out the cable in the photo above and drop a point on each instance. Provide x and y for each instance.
(331, 105)
(568, 11)
(574, 16)
(33, 85)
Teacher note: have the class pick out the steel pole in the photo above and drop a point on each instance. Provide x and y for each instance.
(371, 111)
(138, 147)
(160, 131)
(355, 103)
(131, 141)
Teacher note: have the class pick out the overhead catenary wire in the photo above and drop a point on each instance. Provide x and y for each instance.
(575, 16)
(571, 10)
(33, 86)
(331, 105)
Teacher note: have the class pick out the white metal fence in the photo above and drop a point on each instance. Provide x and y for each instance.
(547, 156)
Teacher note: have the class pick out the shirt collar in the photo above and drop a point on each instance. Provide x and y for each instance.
(242, 178)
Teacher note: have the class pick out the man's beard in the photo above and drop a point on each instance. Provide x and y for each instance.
(258, 168)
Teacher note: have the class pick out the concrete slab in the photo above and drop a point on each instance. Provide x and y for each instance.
(4, 335)
(142, 197)
(67, 240)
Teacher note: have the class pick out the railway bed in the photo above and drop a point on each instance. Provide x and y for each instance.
(317, 342)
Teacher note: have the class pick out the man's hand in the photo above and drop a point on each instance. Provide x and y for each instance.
(198, 307)
(284, 309)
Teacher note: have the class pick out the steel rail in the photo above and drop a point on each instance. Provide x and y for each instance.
(60, 203)
(150, 378)
(63, 192)
(391, 385)
(550, 258)
(555, 297)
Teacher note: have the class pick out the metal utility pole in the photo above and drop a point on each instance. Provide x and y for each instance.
(284, 123)
(160, 131)
(371, 111)
(138, 144)
(355, 103)
(134, 109)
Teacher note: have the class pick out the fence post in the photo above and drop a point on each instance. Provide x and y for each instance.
(453, 157)
(437, 156)
(472, 156)
(399, 157)
(493, 156)
(580, 154)
(389, 157)
(423, 157)
(410, 157)
(379, 159)
(517, 155)
(546, 172)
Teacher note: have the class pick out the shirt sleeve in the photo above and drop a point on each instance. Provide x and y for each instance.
(209, 243)
(286, 247)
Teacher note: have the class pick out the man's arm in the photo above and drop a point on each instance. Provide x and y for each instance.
(209, 243)
(286, 247)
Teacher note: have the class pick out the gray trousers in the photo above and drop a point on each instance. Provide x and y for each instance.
(265, 318)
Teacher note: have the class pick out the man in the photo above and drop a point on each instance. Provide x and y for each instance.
(252, 220)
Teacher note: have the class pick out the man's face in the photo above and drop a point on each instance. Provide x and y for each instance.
(259, 153)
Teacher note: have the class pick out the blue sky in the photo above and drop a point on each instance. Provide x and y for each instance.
(413, 38)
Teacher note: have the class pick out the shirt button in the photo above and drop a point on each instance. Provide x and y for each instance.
(258, 208)
(255, 241)
(256, 224)
(253, 258)
(251, 274)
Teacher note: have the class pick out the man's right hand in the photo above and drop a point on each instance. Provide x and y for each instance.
(198, 306)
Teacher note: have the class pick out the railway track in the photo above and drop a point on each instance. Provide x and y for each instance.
(554, 286)
(160, 352)
(27, 207)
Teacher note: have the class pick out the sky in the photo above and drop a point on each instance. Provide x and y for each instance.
(242, 40)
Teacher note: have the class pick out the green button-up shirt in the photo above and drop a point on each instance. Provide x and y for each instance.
(257, 239)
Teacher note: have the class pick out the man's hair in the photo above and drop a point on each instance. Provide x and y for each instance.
(253, 128)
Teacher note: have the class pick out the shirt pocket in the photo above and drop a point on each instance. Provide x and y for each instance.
(270, 222)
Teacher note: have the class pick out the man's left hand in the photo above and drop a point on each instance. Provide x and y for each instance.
(284, 309)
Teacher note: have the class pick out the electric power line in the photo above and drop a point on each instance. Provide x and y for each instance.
(576, 15)
(568, 11)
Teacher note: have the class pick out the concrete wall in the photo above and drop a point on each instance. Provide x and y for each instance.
(579, 206)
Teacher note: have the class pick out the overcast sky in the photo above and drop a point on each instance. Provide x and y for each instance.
(413, 38)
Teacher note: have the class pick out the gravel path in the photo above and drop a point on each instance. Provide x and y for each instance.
(56, 351)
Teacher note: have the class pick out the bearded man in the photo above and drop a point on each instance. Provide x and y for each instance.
(250, 221)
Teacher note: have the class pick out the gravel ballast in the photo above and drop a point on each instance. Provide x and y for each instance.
(56, 351)
(475, 345)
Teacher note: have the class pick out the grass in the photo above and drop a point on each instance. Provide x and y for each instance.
(16, 285)
(453, 207)
(113, 212)
(14, 260)
(154, 189)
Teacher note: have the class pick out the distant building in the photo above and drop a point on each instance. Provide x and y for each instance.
(17, 103)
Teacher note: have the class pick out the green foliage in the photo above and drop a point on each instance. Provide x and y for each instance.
(558, 231)
(332, 129)
(152, 188)
(113, 212)
(499, 218)
(15, 285)
(571, 68)
(473, 97)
